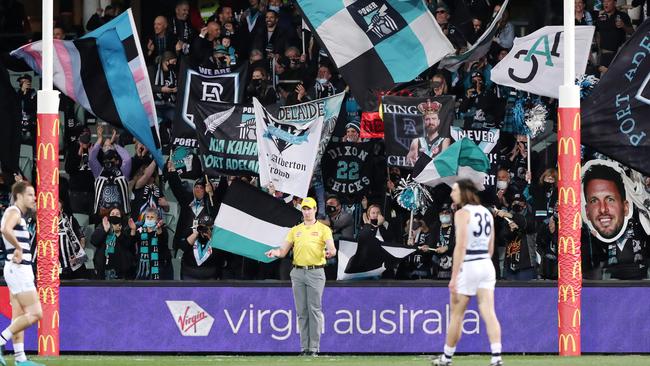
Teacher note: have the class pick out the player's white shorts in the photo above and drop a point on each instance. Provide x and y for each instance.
(19, 277)
(475, 275)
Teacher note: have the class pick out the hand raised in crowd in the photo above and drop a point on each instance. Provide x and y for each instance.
(470, 92)
(150, 47)
(100, 133)
(163, 203)
(179, 46)
(204, 31)
(170, 166)
(619, 23)
(300, 90)
(105, 224)
(114, 136)
(303, 58)
(132, 224)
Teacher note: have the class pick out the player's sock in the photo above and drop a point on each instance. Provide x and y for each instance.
(19, 352)
(448, 353)
(5, 336)
(496, 352)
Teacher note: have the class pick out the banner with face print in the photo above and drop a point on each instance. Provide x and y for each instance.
(414, 126)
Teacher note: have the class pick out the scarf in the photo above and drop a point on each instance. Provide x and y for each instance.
(148, 263)
(72, 255)
(202, 251)
(151, 194)
(168, 79)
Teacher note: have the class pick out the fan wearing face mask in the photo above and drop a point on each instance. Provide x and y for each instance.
(111, 167)
(200, 261)
(443, 248)
(115, 254)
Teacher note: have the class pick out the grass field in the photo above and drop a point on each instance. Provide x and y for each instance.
(332, 360)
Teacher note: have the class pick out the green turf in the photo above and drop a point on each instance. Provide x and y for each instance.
(333, 360)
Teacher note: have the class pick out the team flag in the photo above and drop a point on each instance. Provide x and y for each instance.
(479, 49)
(367, 258)
(105, 72)
(615, 114)
(536, 62)
(290, 145)
(461, 160)
(251, 222)
(376, 43)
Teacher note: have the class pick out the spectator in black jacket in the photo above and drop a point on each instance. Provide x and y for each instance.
(260, 88)
(192, 204)
(115, 253)
(519, 222)
(273, 38)
(200, 261)
(161, 41)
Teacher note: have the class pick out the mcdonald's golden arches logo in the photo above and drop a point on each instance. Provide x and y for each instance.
(55, 319)
(563, 245)
(45, 291)
(46, 343)
(45, 150)
(576, 318)
(564, 342)
(576, 122)
(576, 272)
(55, 127)
(565, 143)
(577, 218)
(576, 171)
(44, 197)
(43, 246)
(55, 176)
(564, 194)
(54, 229)
(564, 293)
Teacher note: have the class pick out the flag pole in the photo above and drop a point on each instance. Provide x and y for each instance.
(47, 186)
(569, 271)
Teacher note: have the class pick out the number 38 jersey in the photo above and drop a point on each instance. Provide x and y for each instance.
(481, 224)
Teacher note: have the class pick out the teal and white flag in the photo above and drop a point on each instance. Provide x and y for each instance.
(461, 160)
(536, 62)
(376, 43)
(251, 222)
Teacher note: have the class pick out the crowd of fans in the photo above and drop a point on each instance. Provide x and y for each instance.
(135, 235)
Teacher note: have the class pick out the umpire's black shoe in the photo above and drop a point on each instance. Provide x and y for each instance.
(497, 363)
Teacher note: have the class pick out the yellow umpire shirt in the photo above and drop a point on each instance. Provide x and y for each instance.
(309, 243)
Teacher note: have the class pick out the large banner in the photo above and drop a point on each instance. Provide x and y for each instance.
(203, 86)
(347, 168)
(536, 62)
(289, 144)
(227, 139)
(415, 125)
(487, 140)
(357, 319)
(614, 115)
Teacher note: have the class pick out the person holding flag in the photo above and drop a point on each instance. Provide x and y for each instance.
(312, 245)
(472, 271)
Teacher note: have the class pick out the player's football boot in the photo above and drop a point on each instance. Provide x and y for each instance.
(28, 363)
(440, 362)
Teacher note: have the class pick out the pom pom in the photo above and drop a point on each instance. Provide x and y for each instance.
(536, 119)
(586, 83)
(412, 196)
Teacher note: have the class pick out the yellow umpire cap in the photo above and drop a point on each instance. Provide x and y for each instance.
(308, 202)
